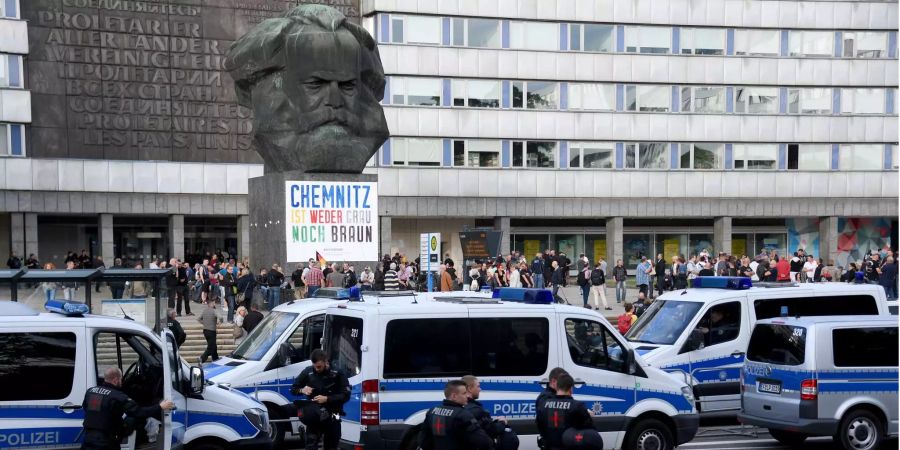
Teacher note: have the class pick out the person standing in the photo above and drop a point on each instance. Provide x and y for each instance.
(229, 284)
(252, 319)
(660, 269)
(449, 426)
(106, 408)
(620, 275)
(391, 282)
(175, 327)
(887, 278)
(327, 391)
(497, 429)
(783, 270)
(598, 287)
(297, 281)
(584, 282)
(69, 287)
(14, 262)
(446, 281)
(209, 320)
(313, 279)
(560, 413)
(274, 279)
(557, 279)
(366, 279)
(181, 270)
(642, 276)
(809, 269)
(537, 269)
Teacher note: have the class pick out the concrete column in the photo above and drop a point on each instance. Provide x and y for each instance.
(615, 247)
(105, 236)
(501, 224)
(722, 234)
(243, 234)
(828, 238)
(31, 235)
(386, 237)
(17, 234)
(176, 236)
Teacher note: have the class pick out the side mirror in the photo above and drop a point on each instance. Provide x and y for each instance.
(629, 361)
(197, 381)
(285, 353)
(694, 341)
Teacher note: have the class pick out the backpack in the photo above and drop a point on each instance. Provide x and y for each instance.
(582, 280)
(624, 323)
(598, 278)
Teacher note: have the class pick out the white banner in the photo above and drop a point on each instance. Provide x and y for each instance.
(336, 220)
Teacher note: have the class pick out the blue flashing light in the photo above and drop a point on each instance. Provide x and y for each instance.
(733, 283)
(524, 295)
(66, 308)
(353, 294)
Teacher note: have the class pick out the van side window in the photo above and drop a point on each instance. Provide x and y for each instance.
(36, 366)
(721, 323)
(592, 345)
(139, 360)
(427, 347)
(865, 347)
(307, 337)
(510, 346)
(830, 305)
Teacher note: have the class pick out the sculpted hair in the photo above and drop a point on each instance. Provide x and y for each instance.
(262, 51)
(452, 386)
(469, 380)
(565, 383)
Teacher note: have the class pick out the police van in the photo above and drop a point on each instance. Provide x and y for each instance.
(265, 364)
(702, 333)
(398, 355)
(823, 376)
(49, 360)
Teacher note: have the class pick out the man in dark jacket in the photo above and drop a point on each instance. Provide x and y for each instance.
(274, 280)
(560, 413)
(117, 287)
(558, 279)
(175, 327)
(327, 391)
(449, 426)
(497, 429)
(14, 262)
(660, 268)
(254, 317)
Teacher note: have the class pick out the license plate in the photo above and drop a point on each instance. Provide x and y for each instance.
(769, 387)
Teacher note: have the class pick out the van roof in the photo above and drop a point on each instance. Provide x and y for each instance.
(444, 302)
(844, 320)
(14, 312)
(707, 294)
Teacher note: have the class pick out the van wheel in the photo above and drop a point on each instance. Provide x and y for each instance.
(277, 429)
(860, 430)
(649, 434)
(789, 438)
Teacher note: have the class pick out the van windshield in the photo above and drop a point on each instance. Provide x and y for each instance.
(263, 336)
(663, 322)
(777, 344)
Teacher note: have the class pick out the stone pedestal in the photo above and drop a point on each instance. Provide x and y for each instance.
(268, 206)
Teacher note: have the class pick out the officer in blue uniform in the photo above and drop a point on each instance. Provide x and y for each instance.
(449, 426)
(549, 391)
(561, 413)
(107, 411)
(327, 391)
(497, 429)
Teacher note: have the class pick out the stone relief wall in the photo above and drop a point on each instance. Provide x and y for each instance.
(142, 79)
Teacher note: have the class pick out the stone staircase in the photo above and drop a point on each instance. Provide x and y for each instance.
(195, 344)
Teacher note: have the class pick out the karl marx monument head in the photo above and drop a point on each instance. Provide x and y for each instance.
(314, 82)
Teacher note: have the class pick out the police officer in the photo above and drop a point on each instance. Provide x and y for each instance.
(107, 410)
(549, 391)
(449, 426)
(497, 429)
(560, 413)
(327, 391)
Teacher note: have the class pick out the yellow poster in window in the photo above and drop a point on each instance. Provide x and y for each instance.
(739, 247)
(599, 250)
(532, 247)
(670, 248)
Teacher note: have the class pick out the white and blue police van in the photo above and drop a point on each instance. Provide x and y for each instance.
(265, 364)
(823, 376)
(702, 332)
(49, 360)
(398, 356)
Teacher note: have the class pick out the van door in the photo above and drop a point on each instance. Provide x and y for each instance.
(175, 384)
(303, 340)
(715, 351)
(593, 355)
(44, 381)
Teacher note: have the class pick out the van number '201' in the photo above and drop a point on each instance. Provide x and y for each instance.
(514, 409)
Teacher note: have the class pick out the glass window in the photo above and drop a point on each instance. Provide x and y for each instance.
(636, 245)
(861, 157)
(483, 33)
(757, 42)
(397, 30)
(534, 154)
(663, 322)
(703, 41)
(126, 351)
(535, 94)
(4, 70)
(865, 347)
(592, 96)
(721, 323)
(831, 305)
(263, 337)
(865, 44)
(755, 156)
(476, 153)
(811, 43)
(647, 156)
(809, 157)
(423, 30)
(4, 140)
(534, 35)
(703, 99)
(509, 346)
(756, 100)
(416, 91)
(592, 155)
(420, 348)
(343, 344)
(592, 345)
(417, 152)
(476, 93)
(701, 156)
(459, 31)
(777, 344)
(809, 101)
(306, 337)
(862, 101)
(640, 39)
(647, 97)
(37, 365)
(597, 38)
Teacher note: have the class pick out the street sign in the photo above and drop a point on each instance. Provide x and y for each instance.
(430, 251)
